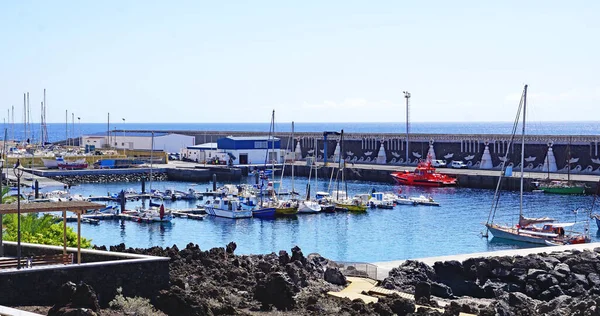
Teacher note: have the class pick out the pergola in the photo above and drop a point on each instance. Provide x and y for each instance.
(77, 207)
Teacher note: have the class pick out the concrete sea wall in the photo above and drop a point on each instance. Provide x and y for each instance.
(583, 150)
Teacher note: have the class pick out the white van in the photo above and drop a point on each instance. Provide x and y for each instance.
(458, 165)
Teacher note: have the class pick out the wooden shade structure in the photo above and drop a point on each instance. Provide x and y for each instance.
(77, 207)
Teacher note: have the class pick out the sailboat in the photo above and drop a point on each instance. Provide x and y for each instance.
(289, 207)
(343, 202)
(526, 231)
(308, 205)
(561, 186)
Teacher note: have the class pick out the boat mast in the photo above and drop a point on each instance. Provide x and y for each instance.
(523, 151)
(151, 159)
(293, 160)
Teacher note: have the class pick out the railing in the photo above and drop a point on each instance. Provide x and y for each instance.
(358, 269)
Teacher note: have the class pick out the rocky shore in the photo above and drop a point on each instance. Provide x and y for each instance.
(218, 282)
(104, 178)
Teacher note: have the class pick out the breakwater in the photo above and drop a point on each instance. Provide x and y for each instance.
(582, 151)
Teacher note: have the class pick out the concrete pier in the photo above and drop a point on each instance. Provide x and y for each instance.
(384, 268)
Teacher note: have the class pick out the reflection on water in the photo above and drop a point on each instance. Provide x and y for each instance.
(401, 233)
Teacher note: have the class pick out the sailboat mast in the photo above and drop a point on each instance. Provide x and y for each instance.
(151, 159)
(293, 160)
(523, 151)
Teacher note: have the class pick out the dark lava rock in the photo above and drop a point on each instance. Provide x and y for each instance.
(276, 290)
(335, 276)
(230, 248)
(297, 255)
(551, 293)
(401, 306)
(423, 291)
(76, 300)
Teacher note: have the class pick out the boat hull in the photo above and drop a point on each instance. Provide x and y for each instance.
(513, 234)
(564, 190)
(286, 210)
(309, 207)
(351, 207)
(227, 213)
(264, 213)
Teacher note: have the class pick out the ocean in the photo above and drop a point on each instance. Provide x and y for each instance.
(58, 131)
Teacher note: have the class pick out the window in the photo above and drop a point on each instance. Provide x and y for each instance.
(258, 145)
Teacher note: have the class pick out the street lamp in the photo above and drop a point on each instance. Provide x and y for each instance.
(18, 170)
(407, 96)
(80, 136)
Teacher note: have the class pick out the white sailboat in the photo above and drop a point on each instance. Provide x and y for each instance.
(308, 205)
(526, 231)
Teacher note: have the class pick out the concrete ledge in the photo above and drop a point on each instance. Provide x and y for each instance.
(384, 268)
(8, 311)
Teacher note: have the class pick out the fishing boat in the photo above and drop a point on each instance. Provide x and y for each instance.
(382, 200)
(526, 231)
(423, 175)
(228, 207)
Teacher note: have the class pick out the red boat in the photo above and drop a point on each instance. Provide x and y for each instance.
(423, 175)
(72, 165)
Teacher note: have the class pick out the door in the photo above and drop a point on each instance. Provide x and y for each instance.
(243, 159)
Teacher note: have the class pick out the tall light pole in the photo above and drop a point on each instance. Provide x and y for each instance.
(123, 142)
(80, 136)
(18, 170)
(407, 96)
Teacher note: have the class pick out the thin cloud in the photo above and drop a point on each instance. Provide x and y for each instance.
(348, 104)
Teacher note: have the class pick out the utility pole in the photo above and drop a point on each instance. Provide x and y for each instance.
(407, 96)
(72, 128)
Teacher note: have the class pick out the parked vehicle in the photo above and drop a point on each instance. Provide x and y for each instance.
(438, 164)
(458, 165)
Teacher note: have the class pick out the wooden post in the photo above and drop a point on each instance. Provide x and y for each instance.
(64, 232)
(78, 237)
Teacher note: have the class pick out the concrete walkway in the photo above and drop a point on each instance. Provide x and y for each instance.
(29, 178)
(8, 311)
(383, 268)
(368, 291)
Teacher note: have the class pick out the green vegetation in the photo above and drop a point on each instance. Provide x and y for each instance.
(40, 229)
(5, 197)
(138, 306)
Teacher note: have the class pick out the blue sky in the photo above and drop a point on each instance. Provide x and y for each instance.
(311, 61)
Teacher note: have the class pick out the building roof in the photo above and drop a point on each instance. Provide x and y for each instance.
(259, 138)
(204, 146)
(37, 207)
(130, 134)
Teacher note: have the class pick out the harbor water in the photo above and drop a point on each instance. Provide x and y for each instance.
(379, 235)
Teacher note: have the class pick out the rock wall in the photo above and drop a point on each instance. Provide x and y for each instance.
(40, 286)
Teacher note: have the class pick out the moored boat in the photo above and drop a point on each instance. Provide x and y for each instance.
(422, 200)
(423, 175)
(228, 207)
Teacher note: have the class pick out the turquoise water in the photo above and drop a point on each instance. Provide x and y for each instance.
(379, 235)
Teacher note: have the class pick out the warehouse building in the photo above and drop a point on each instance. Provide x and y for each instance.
(167, 142)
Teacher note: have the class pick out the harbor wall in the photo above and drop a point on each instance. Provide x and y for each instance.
(137, 275)
(583, 150)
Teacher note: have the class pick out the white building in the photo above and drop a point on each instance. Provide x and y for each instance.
(251, 150)
(167, 142)
(200, 153)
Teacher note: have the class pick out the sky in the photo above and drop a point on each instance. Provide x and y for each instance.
(310, 61)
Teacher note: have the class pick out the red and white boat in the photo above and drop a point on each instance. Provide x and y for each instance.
(423, 175)
(72, 165)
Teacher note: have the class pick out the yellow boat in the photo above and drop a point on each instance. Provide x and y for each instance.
(352, 207)
(286, 208)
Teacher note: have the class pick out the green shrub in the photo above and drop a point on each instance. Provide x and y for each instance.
(137, 306)
(40, 229)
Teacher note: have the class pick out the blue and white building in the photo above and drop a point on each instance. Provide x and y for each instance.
(251, 150)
